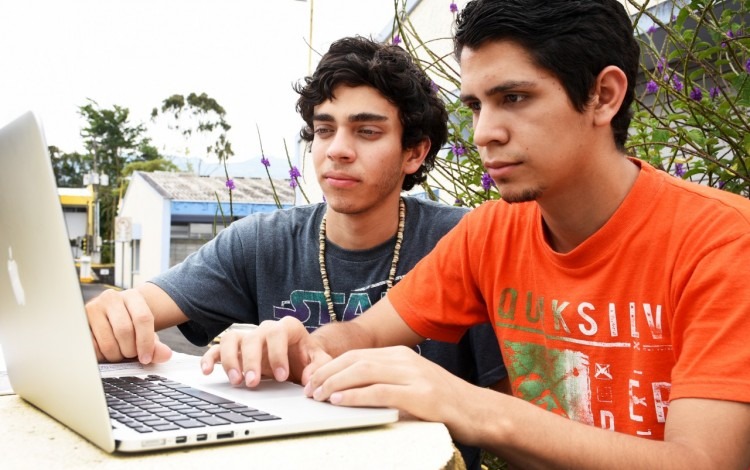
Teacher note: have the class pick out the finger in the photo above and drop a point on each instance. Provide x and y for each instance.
(99, 355)
(139, 337)
(361, 368)
(318, 358)
(251, 355)
(277, 346)
(375, 395)
(162, 352)
(351, 369)
(229, 353)
(210, 359)
(101, 329)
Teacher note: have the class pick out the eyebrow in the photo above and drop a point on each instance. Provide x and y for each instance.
(359, 117)
(502, 88)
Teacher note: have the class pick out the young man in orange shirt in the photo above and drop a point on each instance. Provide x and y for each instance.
(618, 293)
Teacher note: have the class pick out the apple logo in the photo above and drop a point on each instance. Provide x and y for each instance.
(15, 279)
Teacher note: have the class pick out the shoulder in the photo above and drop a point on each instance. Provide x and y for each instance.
(429, 211)
(697, 202)
(293, 216)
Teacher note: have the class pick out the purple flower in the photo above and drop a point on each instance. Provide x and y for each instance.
(730, 35)
(458, 149)
(721, 184)
(678, 86)
(458, 202)
(661, 64)
(454, 7)
(294, 172)
(713, 92)
(293, 183)
(487, 182)
(265, 162)
(696, 94)
(747, 66)
(651, 87)
(679, 169)
(651, 29)
(396, 40)
(230, 184)
(434, 86)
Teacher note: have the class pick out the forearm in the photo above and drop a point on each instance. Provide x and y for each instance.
(530, 437)
(165, 311)
(378, 327)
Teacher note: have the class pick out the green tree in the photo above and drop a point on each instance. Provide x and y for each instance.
(113, 142)
(69, 168)
(202, 115)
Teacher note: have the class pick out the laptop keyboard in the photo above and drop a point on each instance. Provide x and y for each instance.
(153, 403)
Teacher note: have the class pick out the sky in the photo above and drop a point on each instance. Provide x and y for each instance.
(56, 55)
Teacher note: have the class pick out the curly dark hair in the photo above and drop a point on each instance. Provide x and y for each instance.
(357, 61)
(574, 40)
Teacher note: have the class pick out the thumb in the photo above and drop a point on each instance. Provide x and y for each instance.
(318, 358)
(162, 352)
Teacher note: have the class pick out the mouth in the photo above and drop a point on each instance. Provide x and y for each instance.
(339, 180)
(500, 170)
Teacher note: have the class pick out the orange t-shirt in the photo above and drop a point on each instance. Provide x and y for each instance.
(652, 307)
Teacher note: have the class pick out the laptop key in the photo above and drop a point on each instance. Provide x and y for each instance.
(189, 423)
(209, 397)
(235, 417)
(213, 421)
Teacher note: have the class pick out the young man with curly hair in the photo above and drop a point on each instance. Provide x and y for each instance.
(375, 125)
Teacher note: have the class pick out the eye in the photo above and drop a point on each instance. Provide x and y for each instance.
(369, 132)
(474, 106)
(322, 132)
(514, 98)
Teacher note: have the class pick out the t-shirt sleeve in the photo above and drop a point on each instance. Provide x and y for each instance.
(211, 285)
(440, 285)
(710, 328)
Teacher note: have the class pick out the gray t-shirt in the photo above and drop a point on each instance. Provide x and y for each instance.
(265, 267)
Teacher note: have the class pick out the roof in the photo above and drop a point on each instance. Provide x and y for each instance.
(191, 187)
(75, 196)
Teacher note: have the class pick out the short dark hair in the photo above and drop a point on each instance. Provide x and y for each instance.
(357, 61)
(573, 39)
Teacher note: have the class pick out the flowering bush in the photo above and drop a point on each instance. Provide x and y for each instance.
(690, 116)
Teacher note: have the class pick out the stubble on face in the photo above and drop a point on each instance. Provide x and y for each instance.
(525, 195)
(390, 179)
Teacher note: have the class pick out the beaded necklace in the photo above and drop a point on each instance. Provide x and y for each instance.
(394, 262)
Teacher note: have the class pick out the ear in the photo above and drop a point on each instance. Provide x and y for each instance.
(609, 91)
(414, 156)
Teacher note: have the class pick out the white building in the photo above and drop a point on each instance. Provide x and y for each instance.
(165, 216)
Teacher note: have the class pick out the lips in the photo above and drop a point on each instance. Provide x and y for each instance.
(499, 170)
(339, 180)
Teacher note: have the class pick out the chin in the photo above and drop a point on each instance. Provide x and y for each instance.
(524, 195)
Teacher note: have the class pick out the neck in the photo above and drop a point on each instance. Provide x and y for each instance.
(571, 218)
(363, 230)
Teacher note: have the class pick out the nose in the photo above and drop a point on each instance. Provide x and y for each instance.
(341, 146)
(489, 129)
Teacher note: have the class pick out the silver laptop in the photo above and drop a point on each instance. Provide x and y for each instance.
(50, 359)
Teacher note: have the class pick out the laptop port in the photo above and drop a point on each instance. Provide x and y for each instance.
(180, 440)
(201, 437)
(225, 435)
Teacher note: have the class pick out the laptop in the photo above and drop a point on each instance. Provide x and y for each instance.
(51, 361)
